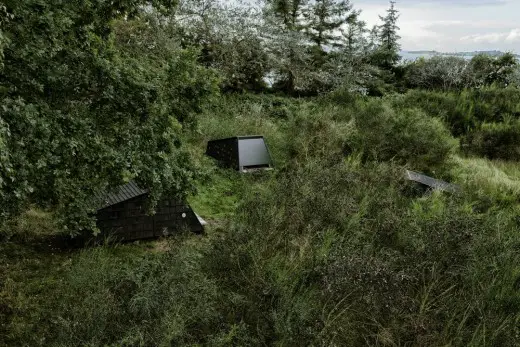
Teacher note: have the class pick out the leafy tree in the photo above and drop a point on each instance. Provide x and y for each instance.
(454, 73)
(84, 110)
(487, 70)
(4, 18)
(437, 73)
(227, 36)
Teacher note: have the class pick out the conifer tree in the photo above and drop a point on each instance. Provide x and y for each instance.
(373, 37)
(284, 30)
(354, 36)
(388, 38)
(289, 11)
(325, 19)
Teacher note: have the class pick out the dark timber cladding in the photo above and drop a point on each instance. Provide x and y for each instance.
(241, 152)
(123, 217)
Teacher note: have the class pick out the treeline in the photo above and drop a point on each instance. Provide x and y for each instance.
(454, 73)
(292, 46)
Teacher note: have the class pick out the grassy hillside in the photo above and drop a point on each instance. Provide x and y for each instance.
(333, 247)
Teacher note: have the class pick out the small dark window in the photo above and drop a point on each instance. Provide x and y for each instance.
(114, 215)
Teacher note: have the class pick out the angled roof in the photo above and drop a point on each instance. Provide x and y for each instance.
(120, 194)
(239, 138)
(431, 182)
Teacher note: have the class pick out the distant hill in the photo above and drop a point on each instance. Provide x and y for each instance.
(412, 55)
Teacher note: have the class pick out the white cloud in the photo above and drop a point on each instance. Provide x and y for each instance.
(484, 38)
(502, 37)
(514, 36)
(458, 25)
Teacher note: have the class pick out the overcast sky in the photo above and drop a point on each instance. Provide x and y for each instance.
(452, 25)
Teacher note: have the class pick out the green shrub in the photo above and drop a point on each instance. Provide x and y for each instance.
(496, 140)
(339, 254)
(491, 104)
(123, 296)
(405, 136)
(466, 110)
(317, 133)
(343, 97)
(444, 106)
(273, 254)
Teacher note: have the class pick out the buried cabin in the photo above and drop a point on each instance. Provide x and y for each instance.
(122, 215)
(240, 153)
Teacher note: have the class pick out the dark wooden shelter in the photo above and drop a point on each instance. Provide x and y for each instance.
(241, 152)
(122, 215)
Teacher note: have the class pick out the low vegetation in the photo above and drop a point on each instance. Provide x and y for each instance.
(332, 247)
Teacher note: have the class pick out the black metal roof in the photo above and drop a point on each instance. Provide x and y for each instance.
(120, 194)
(239, 138)
(431, 182)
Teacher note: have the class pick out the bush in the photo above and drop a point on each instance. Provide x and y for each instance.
(406, 136)
(466, 110)
(496, 141)
(491, 104)
(339, 254)
(124, 296)
(444, 106)
(436, 73)
(317, 133)
(283, 234)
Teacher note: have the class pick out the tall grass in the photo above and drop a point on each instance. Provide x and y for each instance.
(334, 247)
(340, 255)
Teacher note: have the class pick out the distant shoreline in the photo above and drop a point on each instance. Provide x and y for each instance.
(493, 53)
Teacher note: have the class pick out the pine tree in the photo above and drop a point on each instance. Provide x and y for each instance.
(305, 39)
(325, 19)
(373, 39)
(287, 42)
(388, 38)
(354, 36)
(289, 11)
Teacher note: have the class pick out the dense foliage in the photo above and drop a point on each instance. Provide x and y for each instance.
(89, 102)
(333, 247)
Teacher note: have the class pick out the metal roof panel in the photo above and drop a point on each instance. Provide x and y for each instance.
(431, 182)
(122, 193)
